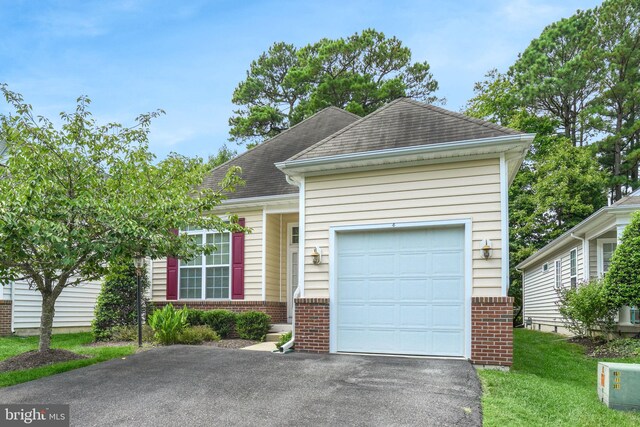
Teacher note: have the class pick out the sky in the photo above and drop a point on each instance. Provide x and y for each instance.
(186, 57)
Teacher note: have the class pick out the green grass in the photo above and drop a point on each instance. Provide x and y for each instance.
(551, 382)
(11, 346)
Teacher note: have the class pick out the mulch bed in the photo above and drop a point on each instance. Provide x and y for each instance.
(599, 348)
(232, 343)
(34, 359)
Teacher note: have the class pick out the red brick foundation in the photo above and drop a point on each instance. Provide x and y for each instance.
(5, 317)
(492, 331)
(312, 325)
(276, 310)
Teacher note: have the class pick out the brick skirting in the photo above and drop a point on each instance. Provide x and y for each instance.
(5, 317)
(312, 325)
(492, 331)
(276, 310)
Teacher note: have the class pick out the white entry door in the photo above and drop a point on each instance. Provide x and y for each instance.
(401, 291)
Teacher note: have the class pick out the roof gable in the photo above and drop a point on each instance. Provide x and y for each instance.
(403, 123)
(258, 164)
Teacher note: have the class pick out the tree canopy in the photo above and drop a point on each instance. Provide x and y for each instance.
(359, 73)
(75, 198)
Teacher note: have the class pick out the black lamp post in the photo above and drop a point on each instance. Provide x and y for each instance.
(138, 262)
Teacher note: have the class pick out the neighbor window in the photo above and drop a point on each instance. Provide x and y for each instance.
(558, 270)
(295, 235)
(207, 276)
(573, 257)
(634, 315)
(606, 247)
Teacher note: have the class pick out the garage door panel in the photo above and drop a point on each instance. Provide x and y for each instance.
(447, 263)
(413, 290)
(401, 291)
(447, 316)
(449, 289)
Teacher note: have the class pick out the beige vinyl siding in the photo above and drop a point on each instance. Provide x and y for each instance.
(74, 307)
(272, 258)
(539, 290)
(456, 190)
(252, 261)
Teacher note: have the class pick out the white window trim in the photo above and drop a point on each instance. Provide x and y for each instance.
(557, 265)
(204, 266)
(575, 274)
(600, 253)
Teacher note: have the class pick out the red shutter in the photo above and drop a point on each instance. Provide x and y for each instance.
(237, 264)
(172, 276)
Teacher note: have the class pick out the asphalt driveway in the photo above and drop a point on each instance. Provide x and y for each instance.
(198, 386)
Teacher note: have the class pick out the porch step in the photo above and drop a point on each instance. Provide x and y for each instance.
(280, 328)
(277, 330)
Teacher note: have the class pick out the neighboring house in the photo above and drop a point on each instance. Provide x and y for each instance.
(21, 307)
(380, 222)
(562, 263)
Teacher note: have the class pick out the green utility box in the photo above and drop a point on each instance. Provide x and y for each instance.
(619, 385)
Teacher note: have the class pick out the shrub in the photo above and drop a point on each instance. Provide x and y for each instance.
(623, 278)
(584, 309)
(116, 304)
(221, 321)
(130, 333)
(167, 323)
(284, 338)
(252, 325)
(197, 335)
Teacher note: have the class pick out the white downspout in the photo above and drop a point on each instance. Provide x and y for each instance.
(286, 346)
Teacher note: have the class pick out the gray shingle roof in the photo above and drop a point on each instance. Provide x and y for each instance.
(258, 170)
(403, 123)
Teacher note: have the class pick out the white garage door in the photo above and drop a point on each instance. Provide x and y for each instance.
(401, 291)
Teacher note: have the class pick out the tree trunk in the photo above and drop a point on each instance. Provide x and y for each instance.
(46, 320)
(617, 157)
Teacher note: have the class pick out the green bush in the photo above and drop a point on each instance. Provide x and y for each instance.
(623, 278)
(221, 321)
(284, 338)
(130, 333)
(584, 309)
(197, 335)
(116, 304)
(167, 324)
(252, 325)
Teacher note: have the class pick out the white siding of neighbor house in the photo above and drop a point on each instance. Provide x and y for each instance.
(539, 287)
(463, 189)
(252, 261)
(74, 307)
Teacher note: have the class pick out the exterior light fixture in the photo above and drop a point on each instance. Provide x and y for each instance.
(316, 255)
(138, 263)
(486, 248)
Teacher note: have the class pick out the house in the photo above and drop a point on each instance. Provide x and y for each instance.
(579, 255)
(21, 306)
(384, 234)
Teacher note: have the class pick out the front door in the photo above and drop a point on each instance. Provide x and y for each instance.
(292, 267)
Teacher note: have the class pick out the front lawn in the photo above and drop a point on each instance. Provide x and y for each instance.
(11, 346)
(551, 382)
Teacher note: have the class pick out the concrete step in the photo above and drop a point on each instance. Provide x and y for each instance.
(274, 336)
(280, 328)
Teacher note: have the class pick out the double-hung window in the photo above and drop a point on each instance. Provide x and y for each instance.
(606, 247)
(573, 271)
(207, 276)
(558, 272)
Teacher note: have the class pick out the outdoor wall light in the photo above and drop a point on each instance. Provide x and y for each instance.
(486, 248)
(316, 255)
